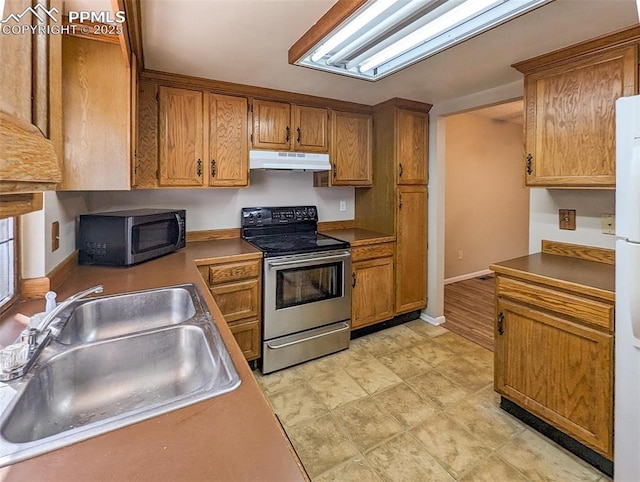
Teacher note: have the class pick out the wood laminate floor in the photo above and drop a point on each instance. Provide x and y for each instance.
(469, 309)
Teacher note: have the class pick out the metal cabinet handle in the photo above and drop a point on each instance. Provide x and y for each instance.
(199, 170)
(353, 280)
(288, 135)
(400, 204)
(500, 323)
(335, 171)
(213, 168)
(529, 164)
(400, 170)
(299, 135)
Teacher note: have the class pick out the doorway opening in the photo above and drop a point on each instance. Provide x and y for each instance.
(486, 212)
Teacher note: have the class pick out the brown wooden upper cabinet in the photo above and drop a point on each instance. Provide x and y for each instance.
(412, 142)
(351, 149)
(181, 137)
(202, 139)
(228, 141)
(283, 127)
(570, 114)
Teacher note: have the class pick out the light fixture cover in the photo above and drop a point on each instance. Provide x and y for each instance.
(380, 37)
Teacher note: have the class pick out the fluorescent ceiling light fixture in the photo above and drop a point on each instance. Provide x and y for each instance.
(380, 37)
(352, 27)
(440, 24)
(638, 7)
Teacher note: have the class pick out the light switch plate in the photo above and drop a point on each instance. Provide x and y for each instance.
(567, 219)
(608, 223)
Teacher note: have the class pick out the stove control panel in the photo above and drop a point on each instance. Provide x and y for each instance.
(278, 215)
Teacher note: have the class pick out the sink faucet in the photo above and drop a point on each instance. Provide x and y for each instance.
(40, 337)
(49, 317)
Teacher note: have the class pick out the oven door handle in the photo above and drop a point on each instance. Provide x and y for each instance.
(307, 260)
(345, 326)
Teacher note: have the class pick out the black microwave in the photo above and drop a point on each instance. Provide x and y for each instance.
(125, 238)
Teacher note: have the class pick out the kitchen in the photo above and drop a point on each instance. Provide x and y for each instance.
(100, 161)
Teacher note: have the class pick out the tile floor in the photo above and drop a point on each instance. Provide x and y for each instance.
(410, 403)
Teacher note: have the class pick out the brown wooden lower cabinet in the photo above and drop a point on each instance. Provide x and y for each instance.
(557, 367)
(372, 292)
(247, 334)
(411, 249)
(236, 288)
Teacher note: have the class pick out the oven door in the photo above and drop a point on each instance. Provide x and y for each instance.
(306, 291)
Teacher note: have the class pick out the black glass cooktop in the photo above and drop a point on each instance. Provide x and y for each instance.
(284, 231)
(295, 243)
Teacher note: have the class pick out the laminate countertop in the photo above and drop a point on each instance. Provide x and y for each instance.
(360, 237)
(232, 437)
(572, 274)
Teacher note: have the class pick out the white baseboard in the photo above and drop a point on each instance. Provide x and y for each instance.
(467, 276)
(437, 321)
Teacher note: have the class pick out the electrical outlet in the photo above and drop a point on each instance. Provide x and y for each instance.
(608, 223)
(567, 219)
(55, 235)
(343, 206)
(460, 254)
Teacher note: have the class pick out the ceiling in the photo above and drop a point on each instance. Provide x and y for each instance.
(246, 41)
(507, 112)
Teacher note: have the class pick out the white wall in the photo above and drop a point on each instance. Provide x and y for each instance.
(589, 205)
(37, 257)
(220, 208)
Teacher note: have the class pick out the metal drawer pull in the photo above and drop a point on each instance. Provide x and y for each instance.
(308, 260)
(501, 323)
(320, 335)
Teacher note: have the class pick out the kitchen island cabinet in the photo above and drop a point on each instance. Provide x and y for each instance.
(232, 437)
(554, 343)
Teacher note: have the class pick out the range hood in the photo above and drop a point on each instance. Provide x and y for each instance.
(292, 161)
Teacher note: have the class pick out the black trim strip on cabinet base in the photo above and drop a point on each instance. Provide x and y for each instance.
(383, 325)
(572, 445)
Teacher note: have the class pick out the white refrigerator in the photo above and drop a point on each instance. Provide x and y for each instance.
(627, 343)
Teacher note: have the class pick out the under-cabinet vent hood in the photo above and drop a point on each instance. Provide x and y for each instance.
(293, 161)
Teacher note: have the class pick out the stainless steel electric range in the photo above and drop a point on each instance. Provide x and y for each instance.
(306, 286)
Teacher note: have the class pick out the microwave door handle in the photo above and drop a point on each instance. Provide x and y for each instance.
(177, 245)
(308, 260)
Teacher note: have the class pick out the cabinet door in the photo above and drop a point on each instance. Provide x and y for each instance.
(351, 148)
(247, 335)
(558, 370)
(238, 300)
(570, 119)
(181, 145)
(228, 144)
(271, 125)
(411, 248)
(372, 294)
(412, 147)
(311, 133)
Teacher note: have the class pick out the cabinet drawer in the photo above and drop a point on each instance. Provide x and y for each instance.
(247, 335)
(238, 301)
(587, 310)
(223, 273)
(361, 253)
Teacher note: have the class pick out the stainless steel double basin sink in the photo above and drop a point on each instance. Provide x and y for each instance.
(114, 361)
